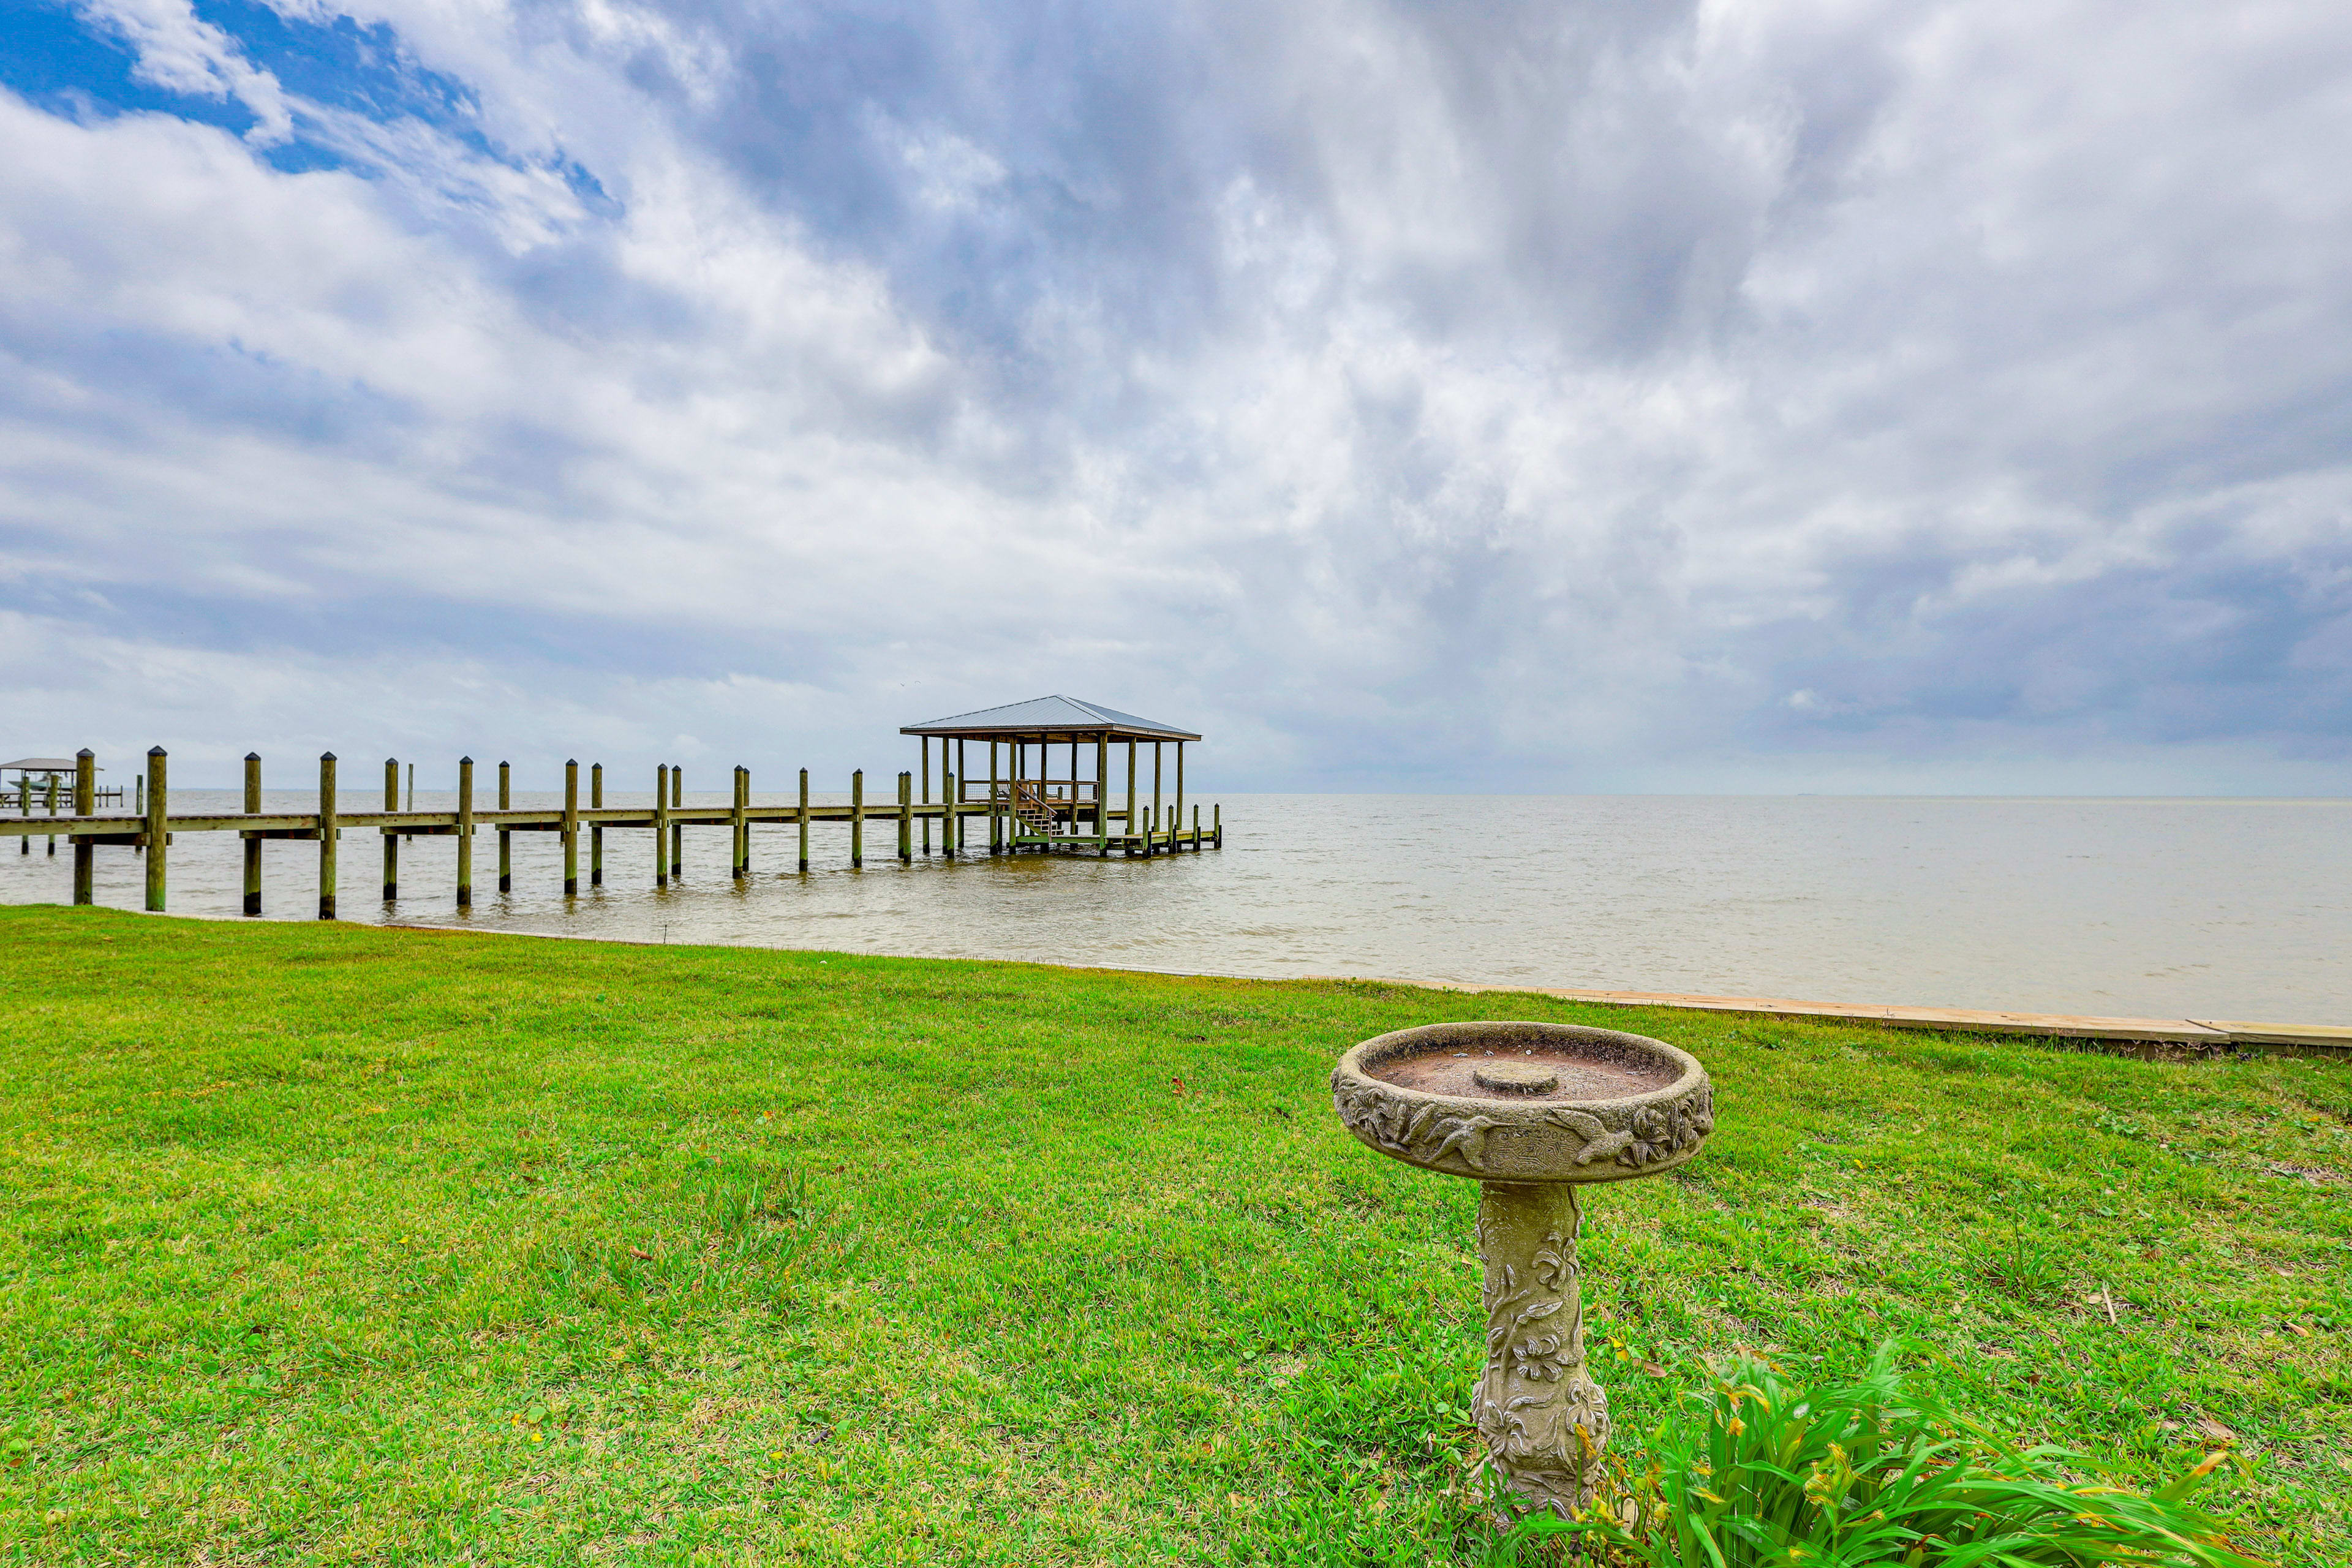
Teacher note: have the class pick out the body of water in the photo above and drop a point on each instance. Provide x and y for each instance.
(2235, 908)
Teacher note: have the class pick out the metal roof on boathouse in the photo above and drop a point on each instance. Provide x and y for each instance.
(1050, 719)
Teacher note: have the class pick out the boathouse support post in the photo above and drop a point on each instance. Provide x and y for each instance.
(858, 818)
(950, 827)
(661, 825)
(506, 839)
(464, 833)
(53, 810)
(390, 834)
(676, 828)
(85, 802)
(1176, 823)
(995, 825)
(596, 832)
(905, 818)
(803, 820)
(961, 772)
(152, 798)
(1127, 826)
(925, 743)
(572, 827)
(327, 834)
(1149, 846)
(1102, 795)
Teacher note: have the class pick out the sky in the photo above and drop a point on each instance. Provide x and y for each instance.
(1575, 395)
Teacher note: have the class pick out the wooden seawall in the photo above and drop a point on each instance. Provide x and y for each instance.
(152, 832)
(2141, 1036)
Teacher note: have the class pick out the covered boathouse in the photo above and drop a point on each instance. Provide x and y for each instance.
(1033, 803)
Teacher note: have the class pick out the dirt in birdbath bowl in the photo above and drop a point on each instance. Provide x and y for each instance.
(1537, 1071)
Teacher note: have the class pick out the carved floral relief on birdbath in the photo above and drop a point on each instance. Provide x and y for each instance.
(1530, 1112)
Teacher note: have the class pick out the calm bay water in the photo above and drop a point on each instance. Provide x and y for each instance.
(2170, 907)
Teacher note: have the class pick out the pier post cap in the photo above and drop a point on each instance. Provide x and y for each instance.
(466, 762)
(249, 756)
(326, 756)
(392, 761)
(157, 751)
(85, 751)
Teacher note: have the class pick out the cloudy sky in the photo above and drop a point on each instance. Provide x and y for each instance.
(1586, 395)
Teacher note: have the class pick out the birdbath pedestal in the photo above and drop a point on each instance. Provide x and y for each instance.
(1531, 1112)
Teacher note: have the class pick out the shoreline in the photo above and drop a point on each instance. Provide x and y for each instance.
(2197, 1035)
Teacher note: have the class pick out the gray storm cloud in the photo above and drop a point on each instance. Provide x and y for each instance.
(1587, 395)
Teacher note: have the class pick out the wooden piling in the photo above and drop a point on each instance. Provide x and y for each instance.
(153, 793)
(676, 828)
(1128, 827)
(412, 786)
(25, 808)
(390, 834)
(858, 819)
(572, 827)
(803, 820)
(742, 824)
(955, 817)
(327, 832)
(1102, 797)
(1148, 840)
(905, 818)
(927, 790)
(1177, 822)
(252, 839)
(53, 811)
(661, 825)
(506, 839)
(596, 831)
(995, 823)
(950, 827)
(85, 856)
(1217, 823)
(464, 833)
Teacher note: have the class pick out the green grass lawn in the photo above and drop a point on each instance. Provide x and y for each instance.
(331, 1244)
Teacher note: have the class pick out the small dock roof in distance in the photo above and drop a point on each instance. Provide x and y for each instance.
(41, 764)
(1049, 719)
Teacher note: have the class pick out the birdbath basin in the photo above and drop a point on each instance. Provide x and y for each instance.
(1531, 1112)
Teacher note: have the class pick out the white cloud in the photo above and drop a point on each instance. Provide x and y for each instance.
(179, 51)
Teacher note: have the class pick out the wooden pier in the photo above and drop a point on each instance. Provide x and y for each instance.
(1018, 810)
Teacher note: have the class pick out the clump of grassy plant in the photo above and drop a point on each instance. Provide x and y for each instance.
(1759, 1469)
(2032, 1268)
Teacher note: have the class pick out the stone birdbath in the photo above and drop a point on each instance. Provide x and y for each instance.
(1530, 1112)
